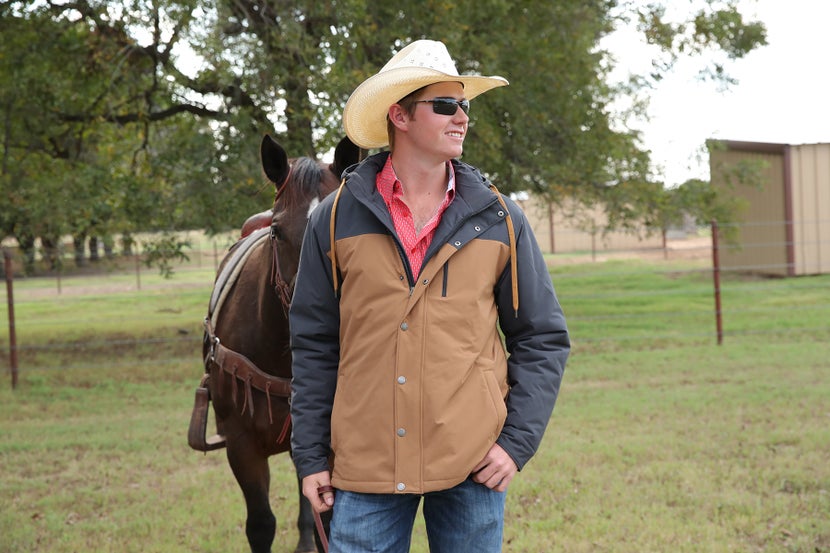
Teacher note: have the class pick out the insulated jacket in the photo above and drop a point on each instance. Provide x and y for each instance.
(403, 377)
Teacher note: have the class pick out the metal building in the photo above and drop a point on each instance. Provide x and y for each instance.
(785, 228)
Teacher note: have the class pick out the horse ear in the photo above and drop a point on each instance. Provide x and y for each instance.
(274, 160)
(345, 154)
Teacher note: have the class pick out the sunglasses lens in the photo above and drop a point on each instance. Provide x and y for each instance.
(448, 106)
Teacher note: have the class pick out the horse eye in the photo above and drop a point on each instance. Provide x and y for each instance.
(277, 233)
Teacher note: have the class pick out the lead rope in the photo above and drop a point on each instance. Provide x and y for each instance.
(321, 531)
(318, 521)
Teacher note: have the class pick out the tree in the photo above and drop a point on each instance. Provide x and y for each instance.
(149, 112)
(94, 136)
(553, 131)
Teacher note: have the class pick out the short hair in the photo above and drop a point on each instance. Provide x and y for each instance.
(408, 104)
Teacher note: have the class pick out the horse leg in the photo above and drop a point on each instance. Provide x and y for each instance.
(252, 473)
(305, 524)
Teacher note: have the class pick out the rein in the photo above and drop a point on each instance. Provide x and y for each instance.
(283, 290)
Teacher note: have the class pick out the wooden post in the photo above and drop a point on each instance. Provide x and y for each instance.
(716, 279)
(7, 264)
(138, 267)
(550, 228)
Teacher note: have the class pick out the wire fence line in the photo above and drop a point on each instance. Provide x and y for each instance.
(639, 298)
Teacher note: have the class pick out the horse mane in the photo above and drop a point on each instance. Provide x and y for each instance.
(304, 182)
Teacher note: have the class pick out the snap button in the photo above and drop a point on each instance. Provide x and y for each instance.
(404, 326)
(426, 281)
(401, 486)
(478, 228)
(401, 380)
(457, 243)
(401, 432)
(501, 213)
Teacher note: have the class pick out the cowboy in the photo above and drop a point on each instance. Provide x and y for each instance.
(406, 275)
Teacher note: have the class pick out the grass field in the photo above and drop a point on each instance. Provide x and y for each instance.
(661, 440)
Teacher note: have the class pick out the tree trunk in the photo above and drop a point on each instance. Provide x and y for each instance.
(26, 242)
(78, 243)
(94, 255)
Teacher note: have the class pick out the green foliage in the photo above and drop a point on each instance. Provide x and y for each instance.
(163, 251)
(146, 115)
(715, 29)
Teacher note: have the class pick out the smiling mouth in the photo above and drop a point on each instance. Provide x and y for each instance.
(456, 134)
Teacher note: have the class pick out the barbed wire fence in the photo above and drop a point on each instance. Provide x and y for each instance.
(694, 291)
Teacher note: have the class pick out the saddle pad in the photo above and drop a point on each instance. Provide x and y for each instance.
(230, 271)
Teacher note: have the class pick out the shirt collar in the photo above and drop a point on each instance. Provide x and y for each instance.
(389, 185)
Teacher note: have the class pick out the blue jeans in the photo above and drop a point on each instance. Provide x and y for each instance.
(468, 518)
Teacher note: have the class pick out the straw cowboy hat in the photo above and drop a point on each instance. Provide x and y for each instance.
(419, 64)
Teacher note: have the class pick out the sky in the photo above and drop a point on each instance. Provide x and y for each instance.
(782, 95)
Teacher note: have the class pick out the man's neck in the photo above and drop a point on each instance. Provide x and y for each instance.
(419, 177)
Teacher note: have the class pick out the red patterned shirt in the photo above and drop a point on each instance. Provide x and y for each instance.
(415, 243)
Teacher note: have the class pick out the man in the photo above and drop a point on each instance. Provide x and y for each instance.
(406, 275)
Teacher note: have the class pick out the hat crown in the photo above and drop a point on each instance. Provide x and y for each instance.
(426, 54)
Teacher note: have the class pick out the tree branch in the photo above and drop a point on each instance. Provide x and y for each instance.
(126, 118)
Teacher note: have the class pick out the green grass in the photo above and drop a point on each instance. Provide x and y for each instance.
(661, 440)
(687, 449)
(636, 304)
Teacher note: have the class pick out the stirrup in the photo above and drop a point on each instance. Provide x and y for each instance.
(197, 431)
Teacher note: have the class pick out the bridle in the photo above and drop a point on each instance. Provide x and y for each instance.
(281, 287)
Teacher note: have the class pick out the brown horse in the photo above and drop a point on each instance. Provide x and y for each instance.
(246, 351)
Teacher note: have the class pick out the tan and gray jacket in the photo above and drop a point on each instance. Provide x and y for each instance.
(406, 379)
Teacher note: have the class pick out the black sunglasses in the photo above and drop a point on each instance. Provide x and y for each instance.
(447, 106)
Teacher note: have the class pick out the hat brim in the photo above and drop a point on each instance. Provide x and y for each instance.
(364, 117)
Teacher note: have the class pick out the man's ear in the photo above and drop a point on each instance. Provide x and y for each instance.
(398, 116)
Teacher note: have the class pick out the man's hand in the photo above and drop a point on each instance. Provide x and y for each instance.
(310, 485)
(496, 470)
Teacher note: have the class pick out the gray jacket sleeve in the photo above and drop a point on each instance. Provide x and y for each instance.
(314, 321)
(537, 342)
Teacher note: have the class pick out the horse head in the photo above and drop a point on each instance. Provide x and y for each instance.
(300, 185)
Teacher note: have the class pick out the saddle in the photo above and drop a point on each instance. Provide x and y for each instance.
(237, 366)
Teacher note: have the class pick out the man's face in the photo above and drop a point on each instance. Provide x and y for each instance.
(436, 133)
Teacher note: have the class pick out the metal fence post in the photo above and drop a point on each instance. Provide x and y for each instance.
(716, 279)
(7, 264)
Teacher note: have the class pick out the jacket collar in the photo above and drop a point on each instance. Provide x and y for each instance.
(472, 188)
